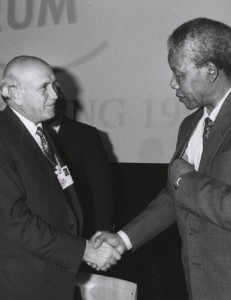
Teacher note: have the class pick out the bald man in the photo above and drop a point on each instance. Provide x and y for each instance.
(40, 216)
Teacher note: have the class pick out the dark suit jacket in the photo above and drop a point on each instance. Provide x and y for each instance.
(202, 208)
(40, 251)
(82, 149)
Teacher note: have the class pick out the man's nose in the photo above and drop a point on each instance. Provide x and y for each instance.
(174, 85)
(53, 92)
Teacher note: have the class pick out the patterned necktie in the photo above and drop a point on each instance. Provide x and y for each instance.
(207, 129)
(47, 150)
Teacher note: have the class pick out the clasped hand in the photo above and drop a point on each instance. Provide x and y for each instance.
(179, 168)
(103, 250)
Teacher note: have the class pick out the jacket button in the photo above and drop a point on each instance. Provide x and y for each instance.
(72, 227)
(193, 231)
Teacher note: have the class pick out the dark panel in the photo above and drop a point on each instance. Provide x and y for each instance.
(156, 267)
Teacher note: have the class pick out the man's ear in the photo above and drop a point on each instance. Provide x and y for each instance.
(15, 95)
(213, 71)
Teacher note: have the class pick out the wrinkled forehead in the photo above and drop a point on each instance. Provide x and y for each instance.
(175, 59)
(33, 72)
(35, 67)
(178, 58)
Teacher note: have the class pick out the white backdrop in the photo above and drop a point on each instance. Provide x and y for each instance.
(112, 63)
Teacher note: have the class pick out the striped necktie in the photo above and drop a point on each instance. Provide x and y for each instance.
(47, 149)
(207, 128)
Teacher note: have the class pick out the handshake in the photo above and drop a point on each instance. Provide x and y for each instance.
(103, 250)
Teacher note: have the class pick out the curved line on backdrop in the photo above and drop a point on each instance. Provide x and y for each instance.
(89, 56)
(81, 60)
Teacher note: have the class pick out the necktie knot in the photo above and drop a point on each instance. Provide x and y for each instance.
(47, 149)
(207, 128)
(40, 132)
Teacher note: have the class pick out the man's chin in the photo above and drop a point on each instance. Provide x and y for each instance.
(49, 115)
(189, 105)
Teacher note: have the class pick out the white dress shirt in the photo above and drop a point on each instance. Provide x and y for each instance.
(193, 151)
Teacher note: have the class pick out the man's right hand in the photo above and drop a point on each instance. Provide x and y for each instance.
(112, 239)
(101, 257)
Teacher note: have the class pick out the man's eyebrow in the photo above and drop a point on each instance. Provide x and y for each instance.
(45, 83)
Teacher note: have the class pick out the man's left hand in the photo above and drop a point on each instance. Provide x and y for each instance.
(179, 168)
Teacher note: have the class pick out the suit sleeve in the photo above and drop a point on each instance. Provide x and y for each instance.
(158, 216)
(27, 230)
(206, 197)
(100, 180)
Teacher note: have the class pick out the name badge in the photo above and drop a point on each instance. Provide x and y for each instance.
(64, 177)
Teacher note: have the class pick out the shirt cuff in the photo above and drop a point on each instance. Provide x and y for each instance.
(125, 239)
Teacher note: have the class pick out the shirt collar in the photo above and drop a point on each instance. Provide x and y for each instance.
(31, 127)
(216, 110)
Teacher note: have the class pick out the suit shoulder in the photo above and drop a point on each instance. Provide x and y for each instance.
(4, 124)
(2, 115)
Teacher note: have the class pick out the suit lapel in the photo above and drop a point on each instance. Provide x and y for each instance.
(29, 145)
(220, 129)
(187, 132)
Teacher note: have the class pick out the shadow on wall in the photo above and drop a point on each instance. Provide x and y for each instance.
(72, 91)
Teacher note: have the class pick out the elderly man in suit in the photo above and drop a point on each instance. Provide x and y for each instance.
(40, 216)
(198, 191)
